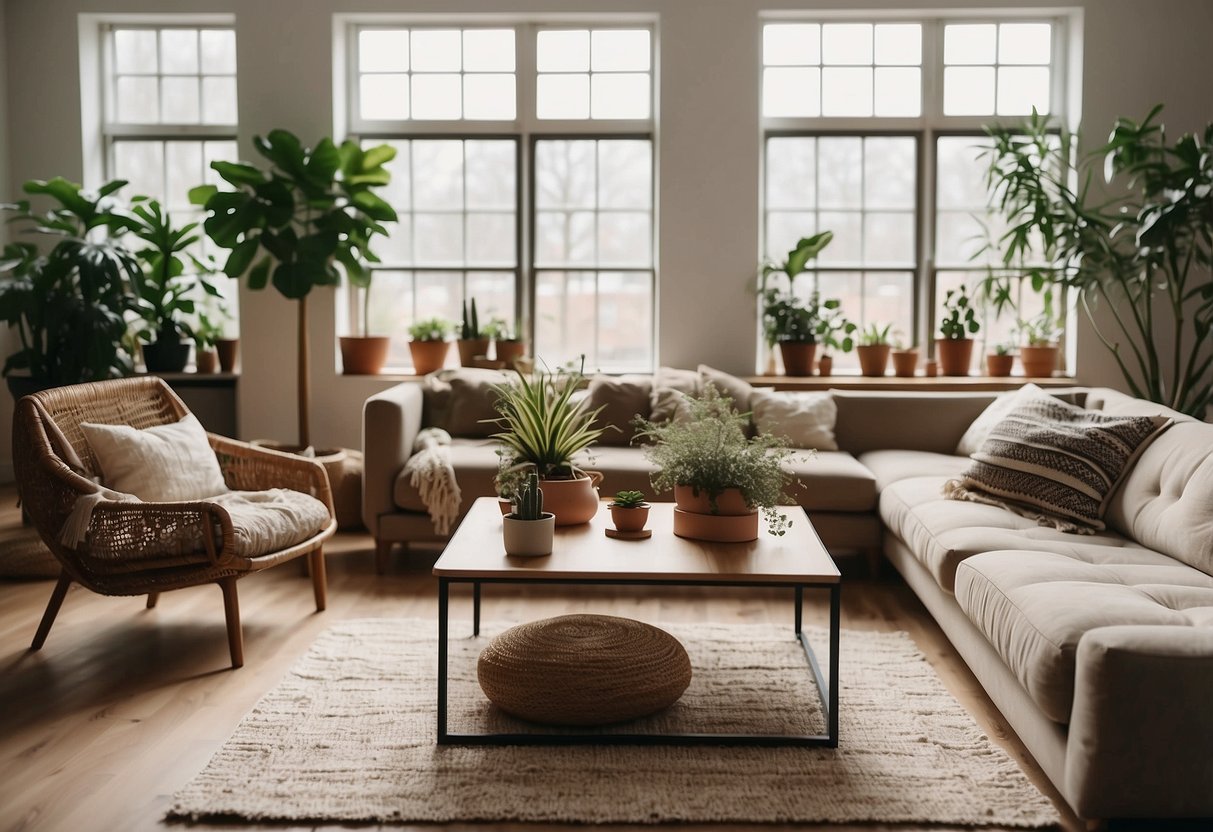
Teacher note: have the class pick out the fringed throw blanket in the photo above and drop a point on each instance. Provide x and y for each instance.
(431, 473)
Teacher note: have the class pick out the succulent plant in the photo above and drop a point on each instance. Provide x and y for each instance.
(628, 499)
(528, 502)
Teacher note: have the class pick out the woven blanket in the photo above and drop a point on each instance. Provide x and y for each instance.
(431, 473)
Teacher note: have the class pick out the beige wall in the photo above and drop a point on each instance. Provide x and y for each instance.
(1135, 54)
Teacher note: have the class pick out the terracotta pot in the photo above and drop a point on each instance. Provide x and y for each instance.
(999, 366)
(825, 365)
(1039, 362)
(905, 363)
(528, 538)
(428, 356)
(505, 505)
(629, 519)
(363, 356)
(718, 528)
(509, 352)
(728, 502)
(797, 357)
(932, 369)
(206, 362)
(469, 348)
(229, 351)
(873, 359)
(955, 355)
(572, 501)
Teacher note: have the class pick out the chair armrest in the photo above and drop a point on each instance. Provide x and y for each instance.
(391, 421)
(136, 536)
(1141, 731)
(249, 468)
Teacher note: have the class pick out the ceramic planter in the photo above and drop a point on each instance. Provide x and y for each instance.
(469, 348)
(955, 355)
(728, 502)
(572, 501)
(229, 351)
(905, 363)
(363, 356)
(1039, 361)
(509, 352)
(873, 359)
(797, 357)
(206, 362)
(528, 538)
(428, 356)
(825, 365)
(166, 356)
(717, 528)
(999, 366)
(629, 519)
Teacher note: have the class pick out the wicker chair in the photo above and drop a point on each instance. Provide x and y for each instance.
(124, 553)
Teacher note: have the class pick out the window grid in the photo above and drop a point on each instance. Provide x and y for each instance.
(995, 63)
(640, 72)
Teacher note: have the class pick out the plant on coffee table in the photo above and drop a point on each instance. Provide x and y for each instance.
(528, 529)
(629, 511)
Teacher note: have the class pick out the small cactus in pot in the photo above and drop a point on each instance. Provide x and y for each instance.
(528, 503)
(629, 511)
(528, 530)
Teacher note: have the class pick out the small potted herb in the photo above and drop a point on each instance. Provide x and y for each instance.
(1039, 350)
(905, 359)
(834, 332)
(954, 348)
(507, 342)
(629, 511)
(429, 345)
(473, 341)
(874, 349)
(528, 530)
(999, 361)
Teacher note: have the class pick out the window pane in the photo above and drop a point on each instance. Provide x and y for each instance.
(564, 237)
(384, 96)
(435, 50)
(565, 318)
(179, 51)
(565, 174)
(625, 320)
(490, 239)
(968, 43)
(494, 294)
(391, 313)
(625, 174)
(1020, 88)
(436, 97)
(846, 91)
(138, 100)
(397, 247)
(383, 50)
(563, 96)
(135, 51)
(398, 192)
(217, 151)
(840, 172)
(791, 172)
(889, 177)
(218, 100)
(179, 100)
(1025, 43)
(488, 97)
(846, 248)
(888, 238)
(791, 44)
(899, 44)
(218, 51)
(439, 294)
(490, 175)
(961, 172)
(959, 236)
(619, 95)
(624, 239)
(437, 175)
(562, 50)
(439, 238)
(898, 91)
(488, 50)
(789, 92)
(784, 228)
(888, 298)
(142, 164)
(968, 91)
(615, 50)
(184, 171)
(846, 43)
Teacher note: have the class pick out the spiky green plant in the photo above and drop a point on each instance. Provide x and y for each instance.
(528, 504)
(469, 328)
(628, 499)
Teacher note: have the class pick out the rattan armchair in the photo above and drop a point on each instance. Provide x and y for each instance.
(127, 549)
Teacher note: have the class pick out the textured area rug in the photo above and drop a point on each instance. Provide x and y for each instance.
(348, 735)
(24, 555)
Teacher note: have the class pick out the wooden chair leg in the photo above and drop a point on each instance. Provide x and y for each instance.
(52, 610)
(231, 610)
(152, 598)
(383, 555)
(319, 578)
(305, 567)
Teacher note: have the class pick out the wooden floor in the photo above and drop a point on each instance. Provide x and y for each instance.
(124, 705)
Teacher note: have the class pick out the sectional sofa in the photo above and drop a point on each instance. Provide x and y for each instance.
(1098, 649)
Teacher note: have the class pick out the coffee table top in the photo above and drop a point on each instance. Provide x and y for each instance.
(585, 553)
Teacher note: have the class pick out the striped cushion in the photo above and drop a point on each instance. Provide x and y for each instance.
(1056, 463)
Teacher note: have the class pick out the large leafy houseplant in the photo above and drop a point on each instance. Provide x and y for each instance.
(786, 319)
(1140, 246)
(68, 303)
(293, 224)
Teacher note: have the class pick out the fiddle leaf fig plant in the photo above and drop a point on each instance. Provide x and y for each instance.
(785, 317)
(293, 223)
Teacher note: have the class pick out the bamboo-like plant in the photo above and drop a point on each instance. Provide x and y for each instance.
(1144, 252)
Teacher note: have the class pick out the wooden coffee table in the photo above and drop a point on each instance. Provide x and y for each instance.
(584, 555)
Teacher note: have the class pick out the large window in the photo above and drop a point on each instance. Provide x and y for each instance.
(523, 179)
(873, 130)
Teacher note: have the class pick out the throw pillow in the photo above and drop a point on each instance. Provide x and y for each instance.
(166, 463)
(473, 402)
(622, 398)
(806, 419)
(992, 415)
(1056, 463)
(737, 389)
(669, 405)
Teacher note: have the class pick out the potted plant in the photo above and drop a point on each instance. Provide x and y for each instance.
(528, 530)
(874, 349)
(834, 332)
(473, 341)
(629, 511)
(905, 359)
(293, 224)
(1039, 350)
(788, 321)
(508, 345)
(164, 288)
(67, 305)
(721, 478)
(999, 361)
(543, 428)
(364, 354)
(206, 332)
(959, 322)
(428, 344)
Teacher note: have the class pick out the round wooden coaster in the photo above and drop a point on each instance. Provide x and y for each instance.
(643, 534)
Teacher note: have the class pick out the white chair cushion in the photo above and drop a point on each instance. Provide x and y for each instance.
(268, 521)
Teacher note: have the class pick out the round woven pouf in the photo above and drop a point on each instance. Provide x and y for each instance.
(584, 670)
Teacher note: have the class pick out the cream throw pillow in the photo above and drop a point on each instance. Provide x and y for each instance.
(806, 419)
(995, 413)
(165, 464)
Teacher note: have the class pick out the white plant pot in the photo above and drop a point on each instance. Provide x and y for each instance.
(528, 538)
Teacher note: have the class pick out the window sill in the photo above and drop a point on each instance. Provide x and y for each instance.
(967, 384)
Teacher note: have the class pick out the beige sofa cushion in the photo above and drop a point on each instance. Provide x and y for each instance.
(457, 400)
(622, 399)
(806, 420)
(830, 481)
(1034, 608)
(475, 463)
(869, 421)
(890, 466)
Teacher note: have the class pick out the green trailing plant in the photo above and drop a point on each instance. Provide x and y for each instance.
(785, 317)
(469, 327)
(959, 317)
(528, 503)
(711, 453)
(628, 499)
(431, 329)
(834, 331)
(68, 303)
(875, 335)
(1140, 246)
(297, 224)
(542, 426)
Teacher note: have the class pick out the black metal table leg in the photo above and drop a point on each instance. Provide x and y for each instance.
(476, 608)
(799, 602)
(835, 627)
(443, 598)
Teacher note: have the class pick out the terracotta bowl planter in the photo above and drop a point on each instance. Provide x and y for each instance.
(955, 355)
(572, 501)
(1039, 362)
(206, 362)
(905, 363)
(728, 502)
(428, 356)
(469, 348)
(509, 352)
(630, 519)
(797, 357)
(363, 356)
(999, 366)
(718, 528)
(825, 365)
(528, 538)
(873, 359)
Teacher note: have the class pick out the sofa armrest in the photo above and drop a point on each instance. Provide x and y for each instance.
(1141, 731)
(391, 421)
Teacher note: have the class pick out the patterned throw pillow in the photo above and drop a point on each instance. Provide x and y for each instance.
(1056, 463)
